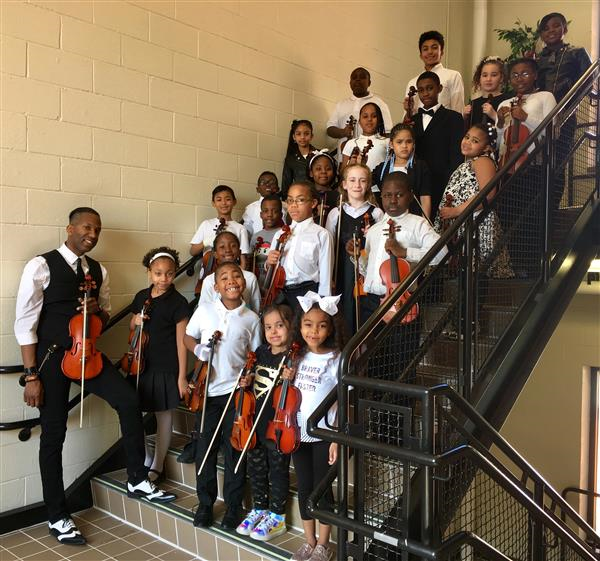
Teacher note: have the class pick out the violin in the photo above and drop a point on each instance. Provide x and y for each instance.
(363, 155)
(408, 120)
(132, 362)
(448, 203)
(514, 137)
(245, 406)
(358, 239)
(83, 361)
(209, 259)
(275, 279)
(392, 272)
(195, 395)
(489, 100)
(283, 430)
(256, 250)
(350, 122)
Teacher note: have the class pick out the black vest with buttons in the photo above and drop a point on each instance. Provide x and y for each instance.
(61, 299)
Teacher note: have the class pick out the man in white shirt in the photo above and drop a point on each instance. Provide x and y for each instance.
(338, 127)
(431, 50)
(47, 301)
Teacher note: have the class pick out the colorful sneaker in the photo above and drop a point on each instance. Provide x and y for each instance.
(270, 526)
(303, 553)
(321, 553)
(251, 520)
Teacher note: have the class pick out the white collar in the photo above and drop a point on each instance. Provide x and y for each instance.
(434, 108)
(68, 255)
(386, 217)
(356, 211)
(438, 66)
(354, 98)
(299, 226)
(223, 311)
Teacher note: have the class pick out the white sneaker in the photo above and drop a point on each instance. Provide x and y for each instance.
(65, 531)
(145, 489)
(251, 520)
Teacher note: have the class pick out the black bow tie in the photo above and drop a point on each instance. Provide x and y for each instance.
(429, 112)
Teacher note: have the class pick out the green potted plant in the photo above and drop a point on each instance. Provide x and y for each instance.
(521, 38)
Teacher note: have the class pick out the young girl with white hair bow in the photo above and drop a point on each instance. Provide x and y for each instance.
(318, 329)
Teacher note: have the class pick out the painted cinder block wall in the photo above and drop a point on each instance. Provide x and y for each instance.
(140, 108)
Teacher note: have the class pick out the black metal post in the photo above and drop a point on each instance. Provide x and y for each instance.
(468, 303)
(547, 193)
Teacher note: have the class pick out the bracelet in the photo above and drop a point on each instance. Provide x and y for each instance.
(29, 375)
(32, 370)
(32, 378)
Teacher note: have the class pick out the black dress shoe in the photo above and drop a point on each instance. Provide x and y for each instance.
(203, 517)
(188, 454)
(232, 518)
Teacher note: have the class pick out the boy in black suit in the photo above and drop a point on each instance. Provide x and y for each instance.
(438, 133)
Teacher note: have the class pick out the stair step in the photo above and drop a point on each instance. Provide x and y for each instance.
(172, 523)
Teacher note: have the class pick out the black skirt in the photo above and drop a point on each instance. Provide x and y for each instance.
(157, 390)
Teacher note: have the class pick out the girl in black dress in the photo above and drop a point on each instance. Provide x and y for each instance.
(490, 79)
(298, 152)
(163, 380)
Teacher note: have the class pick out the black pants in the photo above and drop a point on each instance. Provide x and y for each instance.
(397, 350)
(206, 483)
(108, 385)
(266, 464)
(311, 461)
(289, 295)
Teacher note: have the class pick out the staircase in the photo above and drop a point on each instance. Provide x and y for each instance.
(420, 403)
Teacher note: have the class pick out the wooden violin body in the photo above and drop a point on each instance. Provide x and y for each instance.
(514, 137)
(408, 118)
(359, 281)
(209, 259)
(352, 122)
(83, 360)
(283, 430)
(392, 272)
(197, 386)
(275, 279)
(245, 407)
(132, 362)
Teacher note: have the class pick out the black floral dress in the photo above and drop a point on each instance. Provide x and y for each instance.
(463, 185)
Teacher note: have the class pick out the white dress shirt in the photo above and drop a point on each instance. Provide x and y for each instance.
(426, 119)
(30, 297)
(307, 255)
(452, 95)
(332, 217)
(241, 332)
(537, 105)
(352, 106)
(206, 234)
(415, 235)
(251, 293)
(251, 217)
(375, 155)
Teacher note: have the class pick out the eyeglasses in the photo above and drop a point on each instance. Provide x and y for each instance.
(267, 181)
(517, 75)
(298, 201)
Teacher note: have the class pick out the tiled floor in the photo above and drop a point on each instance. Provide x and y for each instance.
(108, 539)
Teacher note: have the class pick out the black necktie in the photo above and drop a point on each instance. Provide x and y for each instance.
(429, 112)
(79, 273)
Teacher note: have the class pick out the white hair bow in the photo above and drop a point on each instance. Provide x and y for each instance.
(327, 303)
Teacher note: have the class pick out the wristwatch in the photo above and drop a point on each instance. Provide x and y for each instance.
(29, 375)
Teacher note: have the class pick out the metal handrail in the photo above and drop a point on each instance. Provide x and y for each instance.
(466, 215)
(25, 425)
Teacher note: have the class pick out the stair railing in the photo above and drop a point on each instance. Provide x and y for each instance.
(24, 426)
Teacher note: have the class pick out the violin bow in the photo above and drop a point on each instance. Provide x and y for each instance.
(208, 370)
(85, 313)
(357, 294)
(337, 239)
(257, 418)
(422, 210)
(216, 431)
(139, 348)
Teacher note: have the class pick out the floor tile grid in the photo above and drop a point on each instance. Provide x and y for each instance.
(106, 541)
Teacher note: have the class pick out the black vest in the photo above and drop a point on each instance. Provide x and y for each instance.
(61, 298)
